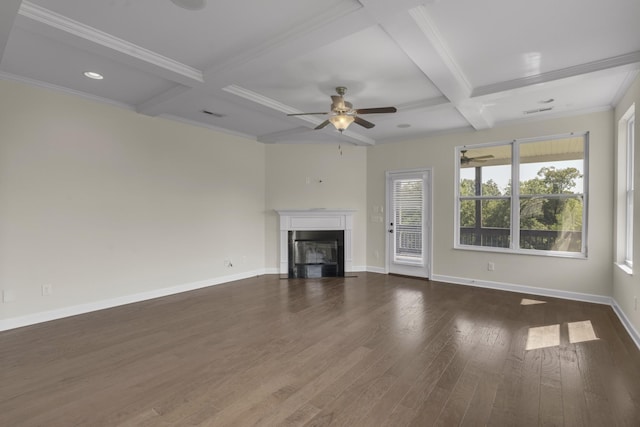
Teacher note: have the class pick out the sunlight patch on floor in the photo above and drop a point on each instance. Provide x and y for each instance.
(543, 336)
(581, 332)
(526, 301)
(549, 336)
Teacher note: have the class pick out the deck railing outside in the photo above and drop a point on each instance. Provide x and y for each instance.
(547, 240)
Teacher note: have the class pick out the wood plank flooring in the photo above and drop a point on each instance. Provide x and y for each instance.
(371, 350)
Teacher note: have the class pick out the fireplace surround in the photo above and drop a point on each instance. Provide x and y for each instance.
(315, 220)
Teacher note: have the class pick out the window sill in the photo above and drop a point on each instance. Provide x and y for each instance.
(553, 254)
(625, 268)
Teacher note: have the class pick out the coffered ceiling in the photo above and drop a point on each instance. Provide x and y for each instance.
(447, 65)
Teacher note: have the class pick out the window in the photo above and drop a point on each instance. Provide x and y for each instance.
(544, 212)
(626, 136)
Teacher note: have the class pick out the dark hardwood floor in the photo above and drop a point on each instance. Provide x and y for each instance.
(372, 350)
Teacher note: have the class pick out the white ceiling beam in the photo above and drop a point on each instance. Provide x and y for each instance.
(8, 12)
(419, 38)
(430, 104)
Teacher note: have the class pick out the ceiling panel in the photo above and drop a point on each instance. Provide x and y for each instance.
(235, 117)
(560, 97)
(59, 64)
(372, 67)
(196, 38)
(498, 40)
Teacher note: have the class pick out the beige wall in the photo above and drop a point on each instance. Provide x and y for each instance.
(102, 202)
(343, 173)
(625, 286)
(592, 276)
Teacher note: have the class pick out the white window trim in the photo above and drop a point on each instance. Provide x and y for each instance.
(625, 164)
(515, 200)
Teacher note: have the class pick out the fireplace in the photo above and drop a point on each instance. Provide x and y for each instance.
(317, 253)
(316, 242)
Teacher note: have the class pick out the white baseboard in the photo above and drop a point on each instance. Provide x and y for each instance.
(633, 333)
(576, 296)
(45, 316)
(380, 270)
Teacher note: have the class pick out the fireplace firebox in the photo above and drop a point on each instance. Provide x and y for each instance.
(316, 253)
(334, 221)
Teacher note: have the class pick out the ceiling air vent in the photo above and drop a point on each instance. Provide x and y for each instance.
(538, 110)
(211, 113)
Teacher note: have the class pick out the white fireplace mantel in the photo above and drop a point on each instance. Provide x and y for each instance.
(315, 219)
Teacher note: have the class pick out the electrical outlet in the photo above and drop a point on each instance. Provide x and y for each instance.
(8, 296)
(491, 266)
(47, 289)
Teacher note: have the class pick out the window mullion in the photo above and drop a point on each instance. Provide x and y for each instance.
(515, 195)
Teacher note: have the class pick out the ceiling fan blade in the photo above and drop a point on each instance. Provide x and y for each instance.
(488, 156)
(376, 110)
(321, 125)
(363, 122)
(304, 114)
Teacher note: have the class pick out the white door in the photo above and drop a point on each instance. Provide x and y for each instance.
(409, 222)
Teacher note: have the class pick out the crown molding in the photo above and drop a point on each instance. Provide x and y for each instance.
(624, 87)
(78, 29)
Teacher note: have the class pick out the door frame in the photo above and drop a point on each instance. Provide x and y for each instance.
(424, 271)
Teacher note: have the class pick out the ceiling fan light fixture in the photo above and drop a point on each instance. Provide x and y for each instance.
(341, 121)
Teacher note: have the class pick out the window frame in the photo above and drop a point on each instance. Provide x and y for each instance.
(626, 166)
(515, 198)
(628, 253)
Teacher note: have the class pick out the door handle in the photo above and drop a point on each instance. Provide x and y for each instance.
(391, 230)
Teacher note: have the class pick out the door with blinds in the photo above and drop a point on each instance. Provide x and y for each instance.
(408, 222)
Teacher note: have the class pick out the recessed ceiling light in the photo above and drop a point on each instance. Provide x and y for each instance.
(547, 101)
(93, 75)
(404, 125)
(190, 4)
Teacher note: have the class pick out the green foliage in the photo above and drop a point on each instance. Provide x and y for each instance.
(537, 212)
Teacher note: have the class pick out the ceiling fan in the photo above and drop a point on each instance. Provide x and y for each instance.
(464, 160)
(343, 114)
